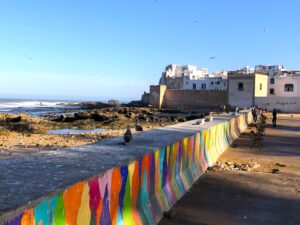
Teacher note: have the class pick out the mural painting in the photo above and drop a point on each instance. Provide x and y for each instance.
(140, 192)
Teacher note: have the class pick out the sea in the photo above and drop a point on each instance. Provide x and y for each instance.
(37, 108)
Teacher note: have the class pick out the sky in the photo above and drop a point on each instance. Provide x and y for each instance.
(103, 49)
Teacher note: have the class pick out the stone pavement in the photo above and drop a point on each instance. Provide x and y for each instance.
(263, 196)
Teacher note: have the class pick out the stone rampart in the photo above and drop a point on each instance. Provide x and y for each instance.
(194, 99)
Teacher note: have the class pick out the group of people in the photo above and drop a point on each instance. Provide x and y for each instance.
(257, 114)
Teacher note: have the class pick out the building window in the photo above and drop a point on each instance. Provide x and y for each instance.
(260, 86)
(241, 86)
(288, 87)
(211, 83)
(218, 82)
(203, 86)
(194, 86)
(272, 81)
(272, 91)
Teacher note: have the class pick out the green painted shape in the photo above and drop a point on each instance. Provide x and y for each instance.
(59, 212)
(127, 218)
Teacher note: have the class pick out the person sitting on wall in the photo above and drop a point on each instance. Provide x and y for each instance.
(221, 108)
(274, 117)
(254, 115)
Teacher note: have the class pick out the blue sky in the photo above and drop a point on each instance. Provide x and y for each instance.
(85, 49)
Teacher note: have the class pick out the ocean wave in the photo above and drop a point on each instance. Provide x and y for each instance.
(32, 104)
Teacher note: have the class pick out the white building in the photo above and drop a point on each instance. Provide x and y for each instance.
(192, 77)
(283, 91)
(271, 70)
(245, 70)
(207, 83)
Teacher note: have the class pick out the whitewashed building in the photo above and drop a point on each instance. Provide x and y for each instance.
(283, 92)
(271, 70)
(192, 77)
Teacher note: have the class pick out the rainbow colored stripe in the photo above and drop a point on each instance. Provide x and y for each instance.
(140, 192)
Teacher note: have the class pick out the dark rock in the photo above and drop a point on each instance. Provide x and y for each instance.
(22, 127)
(128, 115)
(142, 117)
(192, 117)
(181, 119)
(14, 120)
(135, 104)
(61, 118)
(81, 116)
(69, 119)
(99, 117)
(173, 118)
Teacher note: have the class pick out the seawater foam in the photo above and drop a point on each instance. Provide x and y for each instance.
(31, 104)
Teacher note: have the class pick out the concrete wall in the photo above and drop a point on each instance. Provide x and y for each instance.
(193, 99)
(141, 190)
(284, 104)
(241, 98)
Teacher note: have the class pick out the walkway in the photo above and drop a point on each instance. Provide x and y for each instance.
(229, 197)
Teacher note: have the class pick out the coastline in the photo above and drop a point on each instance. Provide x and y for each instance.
(22, 134)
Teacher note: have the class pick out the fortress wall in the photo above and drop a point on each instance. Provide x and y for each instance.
(194, 99)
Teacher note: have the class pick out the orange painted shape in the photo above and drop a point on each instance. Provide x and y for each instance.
(28, 217)
(72, 200)
(134, 193)
(116, 184)
(99, 211)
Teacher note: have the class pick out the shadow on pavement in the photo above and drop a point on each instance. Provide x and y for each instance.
(220, 198)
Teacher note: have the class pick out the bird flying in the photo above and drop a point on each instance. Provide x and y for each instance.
(28, 57)
(266, 30)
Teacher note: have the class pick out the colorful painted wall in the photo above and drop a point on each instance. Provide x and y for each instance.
(140, 192)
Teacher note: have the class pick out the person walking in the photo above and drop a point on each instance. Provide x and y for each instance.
(274, 117)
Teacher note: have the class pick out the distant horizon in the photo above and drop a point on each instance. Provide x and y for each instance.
(116, 49)
(67, 99)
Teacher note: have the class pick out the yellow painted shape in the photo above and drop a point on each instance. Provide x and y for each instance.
(84, 212)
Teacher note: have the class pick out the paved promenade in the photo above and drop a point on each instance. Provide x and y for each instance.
(269, 194)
